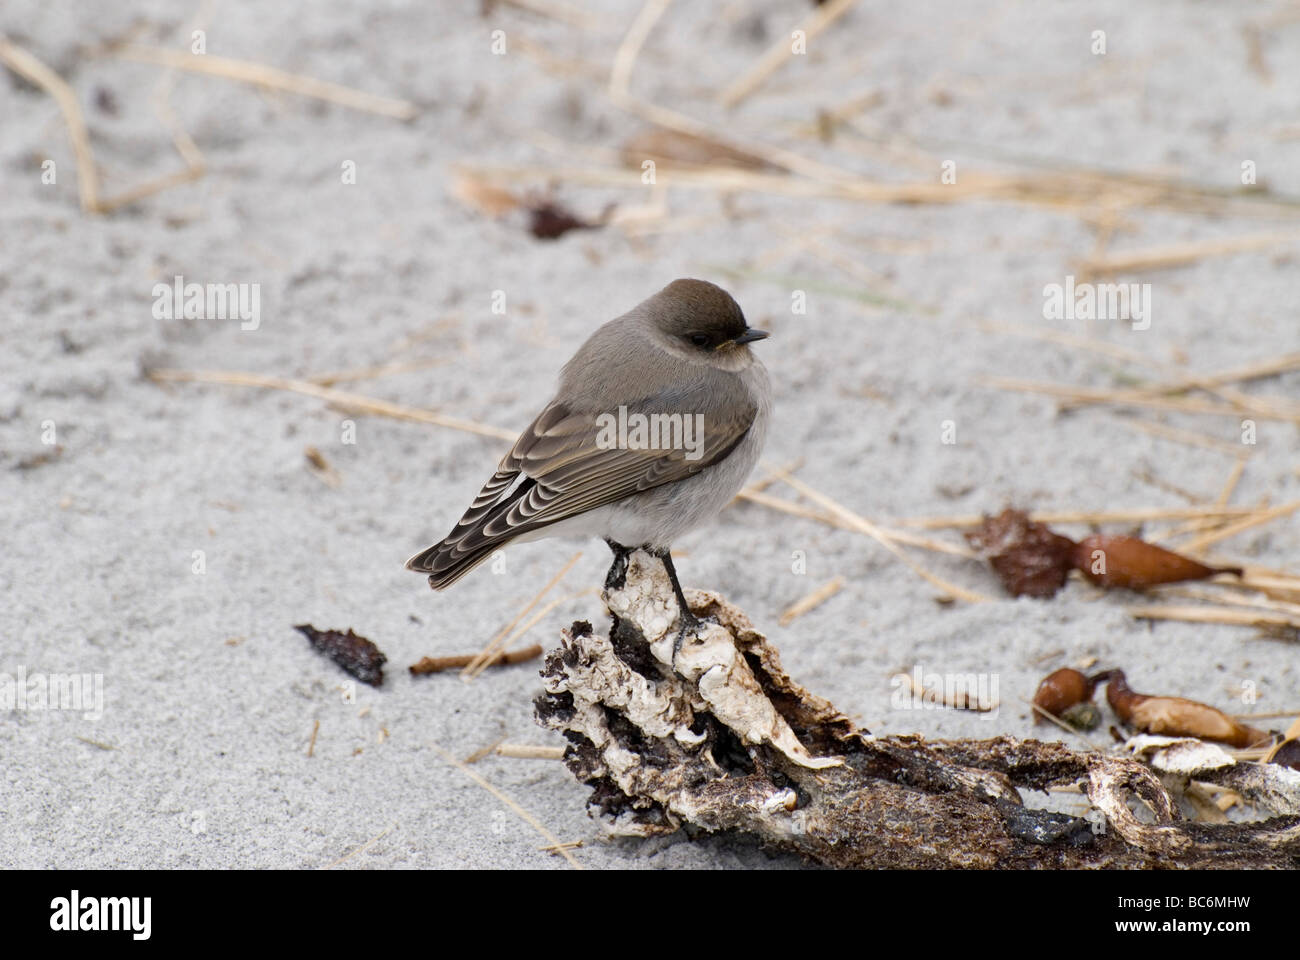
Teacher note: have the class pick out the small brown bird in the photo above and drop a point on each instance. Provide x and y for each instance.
(659, 418)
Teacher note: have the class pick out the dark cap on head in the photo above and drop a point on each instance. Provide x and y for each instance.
(701, 313)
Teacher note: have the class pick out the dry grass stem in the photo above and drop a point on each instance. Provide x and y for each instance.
(523, 814)
(781, 51)
(1140, 515)
(268, 78)
(1233, 616)
(339, 398)
(1178, 254)
(480, 663)
(1259, 518)
(811, 601)
(863, 525)
(528, 751)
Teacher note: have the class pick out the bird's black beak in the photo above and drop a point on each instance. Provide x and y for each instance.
(750, 335)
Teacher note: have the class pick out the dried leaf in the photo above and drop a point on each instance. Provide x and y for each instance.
(1029, 558)
(548, 220)
(357, 655)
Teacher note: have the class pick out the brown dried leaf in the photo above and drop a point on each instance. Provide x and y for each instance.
(1029, 558)
(549, 220)
(357, 655)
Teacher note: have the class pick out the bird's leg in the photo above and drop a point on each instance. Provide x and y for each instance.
(617, 575)
(690, 622)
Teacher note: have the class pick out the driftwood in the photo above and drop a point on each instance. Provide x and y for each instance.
(719, 737)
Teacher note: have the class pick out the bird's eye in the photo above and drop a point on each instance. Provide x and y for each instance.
(700, 339)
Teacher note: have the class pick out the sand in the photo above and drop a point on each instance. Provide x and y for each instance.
(200, 757)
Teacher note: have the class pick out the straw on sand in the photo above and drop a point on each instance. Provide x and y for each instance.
(1177, 255)
(811, 601)
(28, 66)
(520, 811)
(781, 51)
(268, 78)
(484, 658)
(339, 398)
(863, 525)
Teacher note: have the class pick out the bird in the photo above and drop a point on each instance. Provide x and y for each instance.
(592, 463)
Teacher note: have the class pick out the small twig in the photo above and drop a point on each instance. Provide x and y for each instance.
(863, 525)
(620, 74)
(30, 68)
(780, 52)
(899, 536)
(1087, 516)
(311, 747)
(1232, 529)
(339, 398)
(1235, 616)
(528, 751)
(556, 848)
(1062, 338)
(504, 658)
(1254, 371)
(1141, 398)
(268, 78)
(812, 600)
(762, 483)
(480, 663)
(369, 373)
(1182, 436)
(1176, 255)
(482, 752)
(523, 814)
(321, 467)
(361, 849)
(1230, 597)
(942, 699)
(1226, 493)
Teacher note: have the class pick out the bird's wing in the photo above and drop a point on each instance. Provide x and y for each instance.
(559, 468)
(574, 473)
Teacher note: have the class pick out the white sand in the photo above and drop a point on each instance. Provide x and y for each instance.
(211, 696)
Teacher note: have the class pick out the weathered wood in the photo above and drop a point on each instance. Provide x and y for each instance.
(720, 737)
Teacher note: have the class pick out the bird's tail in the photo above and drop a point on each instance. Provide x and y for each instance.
(448, 561)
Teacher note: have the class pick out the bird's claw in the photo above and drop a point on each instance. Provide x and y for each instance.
(691, 625)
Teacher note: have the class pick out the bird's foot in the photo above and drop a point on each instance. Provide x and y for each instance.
(691, 625)
(617, 575)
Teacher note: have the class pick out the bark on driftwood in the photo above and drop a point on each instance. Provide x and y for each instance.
(725, 740)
